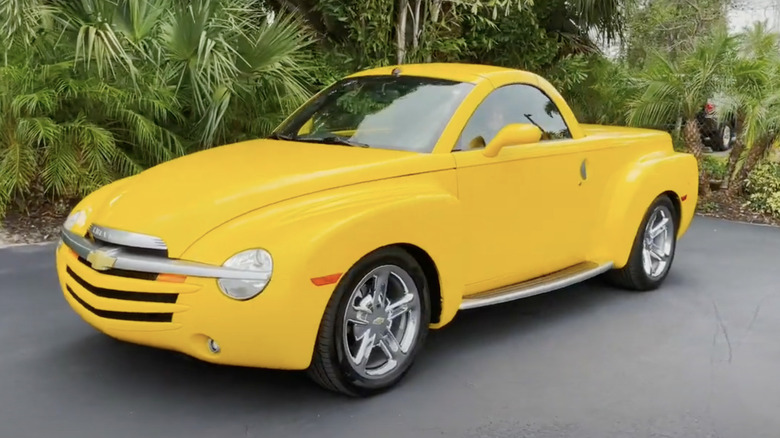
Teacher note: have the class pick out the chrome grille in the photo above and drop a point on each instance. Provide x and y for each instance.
(128, 243)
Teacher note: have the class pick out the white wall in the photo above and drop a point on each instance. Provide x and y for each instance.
(745, 12)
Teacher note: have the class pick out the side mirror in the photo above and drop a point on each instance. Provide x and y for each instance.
(513, 135)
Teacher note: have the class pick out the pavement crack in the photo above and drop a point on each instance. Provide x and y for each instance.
(755, 316)
(757, 311)
(722, 326)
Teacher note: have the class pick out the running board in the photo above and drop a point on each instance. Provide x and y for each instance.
(556, 280)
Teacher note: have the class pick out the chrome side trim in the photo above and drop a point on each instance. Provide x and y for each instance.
(547, 283)
(126, 238)
(119, 259)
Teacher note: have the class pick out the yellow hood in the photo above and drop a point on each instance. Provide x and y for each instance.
(185, 198)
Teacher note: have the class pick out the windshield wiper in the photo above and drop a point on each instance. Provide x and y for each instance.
(334, 139)
(277, 136)
(343, 141)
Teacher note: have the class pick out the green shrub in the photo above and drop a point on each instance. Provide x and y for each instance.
(763, 188)
(707, 206)
(715, 167)
(109, 87)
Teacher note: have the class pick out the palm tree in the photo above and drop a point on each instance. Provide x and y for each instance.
(677, 89)
(47, 137)
(218, 57)
(382, 27)
(93, 90)
(760, 113)
(751, 96)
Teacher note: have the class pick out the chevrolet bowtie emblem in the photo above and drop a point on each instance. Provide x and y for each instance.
(101, 260)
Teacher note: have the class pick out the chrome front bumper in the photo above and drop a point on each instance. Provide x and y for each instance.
(103, 258)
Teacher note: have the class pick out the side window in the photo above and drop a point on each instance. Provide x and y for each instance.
(512, 104)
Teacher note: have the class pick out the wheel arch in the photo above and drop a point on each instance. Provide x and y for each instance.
(634, 189)
(431, 272)
(675, 198)
(424, 224)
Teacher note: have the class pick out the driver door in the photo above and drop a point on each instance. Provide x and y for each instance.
(521, 207)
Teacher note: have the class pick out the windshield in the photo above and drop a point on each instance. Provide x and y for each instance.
(386, 112)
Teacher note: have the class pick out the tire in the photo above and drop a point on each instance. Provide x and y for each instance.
(339, 339)
(635, 275)
(724, 137)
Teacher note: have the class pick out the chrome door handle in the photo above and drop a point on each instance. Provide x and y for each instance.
(584, 169)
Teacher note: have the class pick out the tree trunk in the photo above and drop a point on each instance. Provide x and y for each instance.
(696, 147)
(403, 13)
(313, 17)
(435, 10)
(732, 183)
(416, 23)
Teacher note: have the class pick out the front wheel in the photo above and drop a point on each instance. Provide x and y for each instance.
(374, 325)
(653, 249)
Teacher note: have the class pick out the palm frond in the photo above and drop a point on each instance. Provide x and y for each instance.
(40, 102)
(59, 166)
(138, 19)
(213, 128)
(96, 39)
(96, 148)
(21, 21)
(99, 89)
(758, 41)
(271, 43)
(17, 167)
(124, 165)
(150, 141)
(606, 15)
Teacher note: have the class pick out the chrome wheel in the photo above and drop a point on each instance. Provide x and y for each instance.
(726, 135)
(381, 322)
(658, 242)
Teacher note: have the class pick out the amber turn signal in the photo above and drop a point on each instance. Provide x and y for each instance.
(171, 278)
(328, 279)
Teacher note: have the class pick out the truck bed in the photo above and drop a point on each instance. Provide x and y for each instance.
(618, 131)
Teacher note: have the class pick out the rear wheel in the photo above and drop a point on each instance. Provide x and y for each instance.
(374, 325)
(724, 138)
(653, 250)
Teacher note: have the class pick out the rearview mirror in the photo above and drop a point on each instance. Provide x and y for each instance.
(513, 135)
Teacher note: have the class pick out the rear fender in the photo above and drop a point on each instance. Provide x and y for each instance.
(631, 193)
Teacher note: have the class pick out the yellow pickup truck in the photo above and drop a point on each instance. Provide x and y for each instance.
(386, 204)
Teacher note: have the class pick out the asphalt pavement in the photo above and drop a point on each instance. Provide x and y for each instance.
(698, 358)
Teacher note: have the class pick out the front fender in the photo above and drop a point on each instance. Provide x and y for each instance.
(631, 192)
(328, 232)
(93, 202)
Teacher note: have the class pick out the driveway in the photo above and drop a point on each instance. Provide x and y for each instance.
(698, 358)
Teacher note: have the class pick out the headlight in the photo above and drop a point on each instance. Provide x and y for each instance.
(257, 260)
(77, 218)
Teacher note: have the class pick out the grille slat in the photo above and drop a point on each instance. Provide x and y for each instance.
(130, 249)
(151, 297)
(149, 276)
(124, 316)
